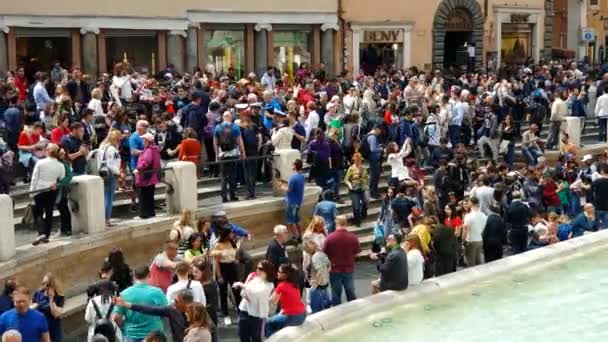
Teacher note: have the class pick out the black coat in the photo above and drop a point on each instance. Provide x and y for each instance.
(518, 215)
(393, 271)
(72, 87)
(495, 232)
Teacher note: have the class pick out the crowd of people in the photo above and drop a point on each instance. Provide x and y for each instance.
(457, 194)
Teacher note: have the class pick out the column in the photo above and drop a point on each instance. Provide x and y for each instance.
(88, 193)
(202, 53)
(76, 50)
(249, 49)
(161, 40)
(101, 52)
(316, 47)
(498, 40)
(181, 176)
(11, 48)
(327, 47)
(192, 49)
(7, 233)
(3, 51)
(261, 48)
(90, 51)
(355, 50)
(175, 49)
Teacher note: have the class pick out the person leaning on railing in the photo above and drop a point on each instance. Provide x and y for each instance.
(47, 172)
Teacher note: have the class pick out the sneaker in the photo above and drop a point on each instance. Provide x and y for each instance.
(38, 240)
(227, 321)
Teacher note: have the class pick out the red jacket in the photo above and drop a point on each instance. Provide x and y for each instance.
(342, 248)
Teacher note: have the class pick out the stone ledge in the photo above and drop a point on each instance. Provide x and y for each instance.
(359, 309)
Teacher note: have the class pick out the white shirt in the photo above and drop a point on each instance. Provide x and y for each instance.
(476, 223)
(415, 267)
(256, 297)
(112, 159)
(195, 286)
(124, 84)
(47, 172)
(95, 105)
(90, 316)
(312, 121)
(395, 160)
(601, 106)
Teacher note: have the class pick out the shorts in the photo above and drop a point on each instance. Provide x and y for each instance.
(293, 213)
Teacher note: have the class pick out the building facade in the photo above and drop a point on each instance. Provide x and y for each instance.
(243, 35)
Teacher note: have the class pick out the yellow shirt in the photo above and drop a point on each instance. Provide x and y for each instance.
(425, 237)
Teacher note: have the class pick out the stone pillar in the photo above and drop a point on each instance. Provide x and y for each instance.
(261, 48)
(89, 51)
(175, 49)
(573, 129)
(327, 47)
(7, 231)
(161, 41)
(548, 36)
(182, 177)
(192, 49)
(87, 191)
(76, 49)
(3, 51)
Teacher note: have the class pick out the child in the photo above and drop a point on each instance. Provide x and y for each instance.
(563, 192)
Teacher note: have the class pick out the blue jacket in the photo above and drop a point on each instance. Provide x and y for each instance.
(582, 223)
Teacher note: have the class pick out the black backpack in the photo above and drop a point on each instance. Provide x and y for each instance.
(227, 141)
(364, 148)
(104, 326)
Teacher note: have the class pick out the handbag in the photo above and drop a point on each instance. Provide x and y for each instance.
(104, 170)
(28, 214)
(503, 147)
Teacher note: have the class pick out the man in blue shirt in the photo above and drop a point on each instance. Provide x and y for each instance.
(136, 143)
(293, 199)
(229, 147)
(455, 124)
(137, 326)
(375, 162)
(41, 96)
(13, 119)
(30, 323)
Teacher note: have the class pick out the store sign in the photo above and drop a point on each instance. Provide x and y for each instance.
(459, 20)
(388, 36)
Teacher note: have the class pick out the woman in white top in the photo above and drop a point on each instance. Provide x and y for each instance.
(103, 303)
(95, 103)
(316, 232)
(47, 172)
(255, 306)
(415, 260)
(395, 157)
(108, 164)
(282, 136)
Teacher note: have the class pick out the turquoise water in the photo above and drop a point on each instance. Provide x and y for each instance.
(563, 302)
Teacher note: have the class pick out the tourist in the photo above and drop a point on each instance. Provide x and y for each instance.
(587, 221)
(196, 247)
(294, 197)
(252, 139)
(40, 95)
(31, 148)
(163, 267)
(518, 217)
(147, 175)
(135, 325)
(316, 232)
(229, 147)
(29, 322)
(559, 111)
(484, 194)
(357, 181)
(202, 271)
(62, 130)
(182, 230)
(226, 264)
(45, 177)
(49, 300)
(76, 148)
(494, 234)
(393, 267)
(198, 324)
(601, 112)
(63, 191)
(7, 298)
(276, 252)
(254, 307)
(530, 145)
(182, 270)
(319, 157)
(375, 160)
(415, 260)
(108, 156)
(12, 336)
(342, 247)
(121, 272)
(175, 313)
(327, 209)
(98, 312)
(190, 147)
(472, 229)
(446, 247)
(136, 142)
(599, 190)
(287, 295)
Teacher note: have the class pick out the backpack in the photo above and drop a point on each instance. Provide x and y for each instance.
(364, 148)
(227, 141)
(104, 325)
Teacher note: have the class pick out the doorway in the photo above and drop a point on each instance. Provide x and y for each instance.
(385, 55)
(456, 48)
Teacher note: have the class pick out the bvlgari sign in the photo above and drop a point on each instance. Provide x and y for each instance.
(385, 36)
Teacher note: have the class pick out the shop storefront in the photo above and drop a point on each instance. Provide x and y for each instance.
(225, 49)
(39, 49)
(139, 47)
(380, 45)
(518, 34)
(291, 47)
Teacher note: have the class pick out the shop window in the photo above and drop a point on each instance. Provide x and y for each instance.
(225, 50)
(291, 49)
(140, 49)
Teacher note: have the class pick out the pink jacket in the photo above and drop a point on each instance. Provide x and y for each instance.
(148, 160)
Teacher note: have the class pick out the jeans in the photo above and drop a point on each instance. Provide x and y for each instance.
(336, 176)
(531, 154)
(44, 203)
(339, 280)
(454, 134)
(251, 175)
(359, 203)
(554, 130)
(492, 143)
(602, 129)
(109, 189)
(602, 216)
(319, 299)
(509, 157)
(280, 321)
(250, 327)
(375, 169)
(229, 178)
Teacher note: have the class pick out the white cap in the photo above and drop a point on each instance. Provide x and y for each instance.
(280, 229)
(148, 136)
(587, 157)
